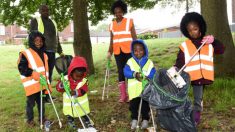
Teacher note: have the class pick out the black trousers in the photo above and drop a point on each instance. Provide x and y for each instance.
(134, 108)
(30, 103)
(51, 63)
(121, 60)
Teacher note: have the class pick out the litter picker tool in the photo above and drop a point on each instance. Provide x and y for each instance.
(43, 82)
(106, 79)
(67, 90)
(72, 99)
(175, 76)
(139, 112)
(154, 125)
(41, 96)
(144, 82)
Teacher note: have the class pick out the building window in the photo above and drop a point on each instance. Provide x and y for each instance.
(2, 30)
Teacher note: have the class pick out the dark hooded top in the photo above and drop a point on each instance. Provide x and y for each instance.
(23, 62)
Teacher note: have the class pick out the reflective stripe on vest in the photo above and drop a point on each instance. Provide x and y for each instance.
(41, 25)
(201, 66)
(121, 35)
(135, 86)
(83, 100)
(32, 86)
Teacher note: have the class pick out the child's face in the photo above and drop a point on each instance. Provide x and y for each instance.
(38, 42)
(193, 30)
(139, 50)
(77, 75)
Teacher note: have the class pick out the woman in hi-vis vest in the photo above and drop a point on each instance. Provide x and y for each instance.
(122, 32)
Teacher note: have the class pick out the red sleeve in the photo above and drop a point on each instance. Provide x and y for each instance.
(81, 91)
(59, 86)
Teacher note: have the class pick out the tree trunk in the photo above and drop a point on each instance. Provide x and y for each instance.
(82, 43)
(215, 14)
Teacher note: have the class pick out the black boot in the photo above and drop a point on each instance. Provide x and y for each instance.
(87, 122)
(71, 123)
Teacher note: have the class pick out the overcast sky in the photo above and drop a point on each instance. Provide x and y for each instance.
(160, 17)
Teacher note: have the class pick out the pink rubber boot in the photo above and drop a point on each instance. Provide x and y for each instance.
(123, 94)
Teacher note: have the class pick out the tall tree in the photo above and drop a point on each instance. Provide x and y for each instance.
(215, 14)
(82, 43)
(62, 11)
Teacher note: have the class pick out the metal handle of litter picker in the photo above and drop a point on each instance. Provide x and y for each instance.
(72, 99)
(43, 81)
(192, 56)
(91, 121)
(151, 111)
(67, 91)
(105, 79)
(41, 126)
(144, 82)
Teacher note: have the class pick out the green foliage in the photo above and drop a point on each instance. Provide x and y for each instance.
(21, 13)
(147, 36)
(178, 4)
(61, 10)
(26, 43)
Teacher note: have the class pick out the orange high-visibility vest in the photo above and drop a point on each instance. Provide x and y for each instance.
(121, 35)
(201, 66)
(32, 86)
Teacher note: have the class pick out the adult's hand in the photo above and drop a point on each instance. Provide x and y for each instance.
(109, 55)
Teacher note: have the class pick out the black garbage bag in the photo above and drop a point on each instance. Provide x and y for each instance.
(174, 109)
(62, 64)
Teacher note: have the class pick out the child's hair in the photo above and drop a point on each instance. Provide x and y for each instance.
(192, 17)
(79, 69)
(121, 4)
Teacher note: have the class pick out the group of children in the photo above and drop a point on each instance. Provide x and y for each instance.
(33, 62)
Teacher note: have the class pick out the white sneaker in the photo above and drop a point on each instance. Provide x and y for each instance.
(144, 124)
(133, 124)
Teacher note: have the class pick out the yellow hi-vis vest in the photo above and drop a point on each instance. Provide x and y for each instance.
(201, 66)
(134, 86)
(32, 86)
(68, 109)
(41, 25)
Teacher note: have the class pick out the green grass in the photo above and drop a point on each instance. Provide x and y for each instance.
(218, 98)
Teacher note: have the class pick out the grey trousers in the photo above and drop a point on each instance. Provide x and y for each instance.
(198, 95)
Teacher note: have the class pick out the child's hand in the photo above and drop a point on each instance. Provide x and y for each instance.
(138, 76)
(36, 76)
(209, 39)
(72, 92)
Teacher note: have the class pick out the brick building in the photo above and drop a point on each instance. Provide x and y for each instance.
(14, 34)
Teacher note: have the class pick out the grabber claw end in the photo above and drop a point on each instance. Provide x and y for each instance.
(60, 124)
